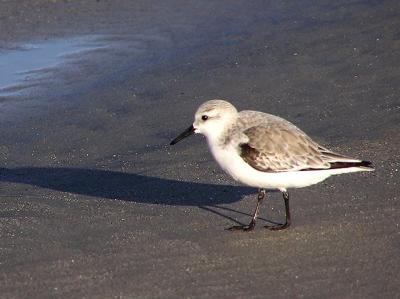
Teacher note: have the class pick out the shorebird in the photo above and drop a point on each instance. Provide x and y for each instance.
(267, 152)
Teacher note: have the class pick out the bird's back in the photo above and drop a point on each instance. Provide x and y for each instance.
(271, 143)
(249, 118)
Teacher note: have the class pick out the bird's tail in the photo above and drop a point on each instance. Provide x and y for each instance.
(362, 165)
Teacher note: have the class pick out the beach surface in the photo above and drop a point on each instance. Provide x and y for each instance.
(95, 203)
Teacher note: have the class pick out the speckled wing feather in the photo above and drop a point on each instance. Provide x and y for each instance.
(280, 146)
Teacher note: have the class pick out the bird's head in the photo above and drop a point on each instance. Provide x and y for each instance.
(211, 119)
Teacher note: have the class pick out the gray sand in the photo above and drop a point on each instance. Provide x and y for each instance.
(96, 204)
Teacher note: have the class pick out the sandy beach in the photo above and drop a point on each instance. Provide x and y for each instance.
(94, 202)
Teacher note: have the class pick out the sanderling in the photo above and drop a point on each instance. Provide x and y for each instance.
(267, 152)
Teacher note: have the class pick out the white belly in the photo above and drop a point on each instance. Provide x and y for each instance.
(234, 165)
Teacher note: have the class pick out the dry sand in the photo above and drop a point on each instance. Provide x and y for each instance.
(95, 204)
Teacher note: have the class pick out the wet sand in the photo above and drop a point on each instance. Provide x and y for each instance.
(96, 204)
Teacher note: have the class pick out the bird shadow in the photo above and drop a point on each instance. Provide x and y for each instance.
(131, 187)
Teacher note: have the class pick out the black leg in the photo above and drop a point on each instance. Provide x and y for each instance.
(252, 224)
(287, 210)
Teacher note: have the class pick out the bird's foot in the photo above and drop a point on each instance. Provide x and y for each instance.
(278, 226)
(244, 228)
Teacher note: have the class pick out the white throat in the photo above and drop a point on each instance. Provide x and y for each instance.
(218, 133)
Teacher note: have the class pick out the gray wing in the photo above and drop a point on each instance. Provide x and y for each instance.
(286, 148)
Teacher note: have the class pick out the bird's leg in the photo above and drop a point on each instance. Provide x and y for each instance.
(287, 210)
(252, 224)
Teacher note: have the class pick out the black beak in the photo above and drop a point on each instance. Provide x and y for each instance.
(189, 131)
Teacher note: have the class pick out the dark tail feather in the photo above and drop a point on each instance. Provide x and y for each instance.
(366, 164)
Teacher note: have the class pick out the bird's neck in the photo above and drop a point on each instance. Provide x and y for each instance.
(221, 136)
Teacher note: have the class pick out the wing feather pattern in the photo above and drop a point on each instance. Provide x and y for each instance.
(278, 148)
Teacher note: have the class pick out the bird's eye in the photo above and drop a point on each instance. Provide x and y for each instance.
(204, 117)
